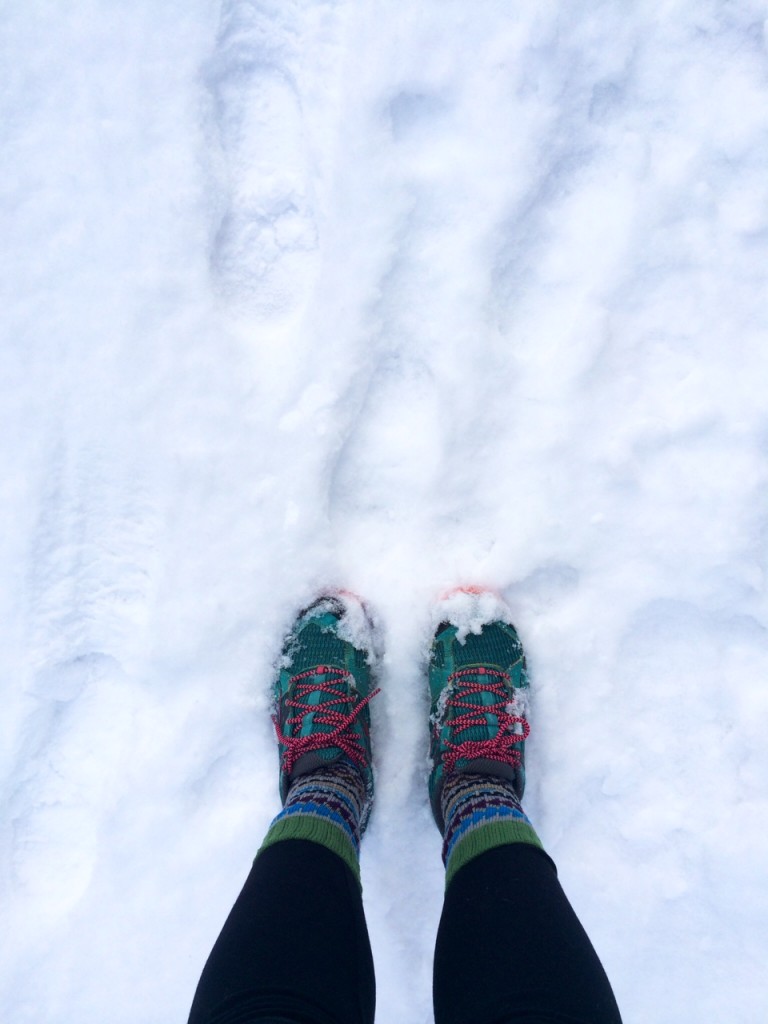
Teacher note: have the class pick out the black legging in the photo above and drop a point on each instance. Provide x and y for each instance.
(295, 949)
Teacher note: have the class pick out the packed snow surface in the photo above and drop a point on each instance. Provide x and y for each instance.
(393, 297)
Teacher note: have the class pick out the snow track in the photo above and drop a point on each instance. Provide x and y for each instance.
(392, 297)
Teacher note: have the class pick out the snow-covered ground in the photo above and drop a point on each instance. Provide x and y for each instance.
(390, 295)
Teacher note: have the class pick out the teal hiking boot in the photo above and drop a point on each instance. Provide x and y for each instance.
(322, 693)
(479, 688)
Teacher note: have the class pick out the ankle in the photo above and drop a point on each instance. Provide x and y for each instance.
(480, 813)
(330, 806)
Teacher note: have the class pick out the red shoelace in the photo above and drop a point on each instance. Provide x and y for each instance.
(501, 746)
(327, 713)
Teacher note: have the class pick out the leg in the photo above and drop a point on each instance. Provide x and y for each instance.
(509, 947)
(295, 947)
(529, 959)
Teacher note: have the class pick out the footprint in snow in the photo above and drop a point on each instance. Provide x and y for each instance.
(264, 250)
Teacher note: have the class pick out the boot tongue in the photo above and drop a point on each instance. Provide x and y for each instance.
(475, 702)
(325, 755)
(485, 766)
(317, 759)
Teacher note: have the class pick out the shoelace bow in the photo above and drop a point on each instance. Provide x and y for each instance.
(326, 713)
(501, 746)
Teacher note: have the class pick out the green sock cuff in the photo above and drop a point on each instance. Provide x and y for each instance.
(325, 833)
(488, 837)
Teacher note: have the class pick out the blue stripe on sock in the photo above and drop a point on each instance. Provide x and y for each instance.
(312, 809)
(482, 816)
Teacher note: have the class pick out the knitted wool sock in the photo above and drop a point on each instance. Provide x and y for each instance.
(324, 806)
(480, 813)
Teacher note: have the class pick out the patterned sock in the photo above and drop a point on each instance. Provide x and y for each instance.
(324, 806)
(480, 813)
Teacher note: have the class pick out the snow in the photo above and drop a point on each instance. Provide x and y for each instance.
(392, 297)
(469, 608)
